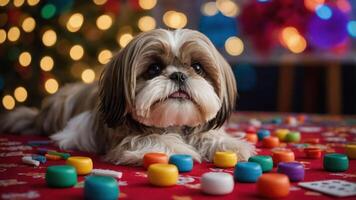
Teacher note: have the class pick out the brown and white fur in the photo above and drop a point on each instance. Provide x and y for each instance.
(166, 91)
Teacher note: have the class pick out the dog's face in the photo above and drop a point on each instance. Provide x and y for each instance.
(168, 78)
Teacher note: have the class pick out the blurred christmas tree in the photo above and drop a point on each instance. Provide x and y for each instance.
(45, 44)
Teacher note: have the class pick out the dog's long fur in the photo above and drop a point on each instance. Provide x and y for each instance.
(129, 112)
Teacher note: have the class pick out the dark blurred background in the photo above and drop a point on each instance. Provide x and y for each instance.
(287, 55)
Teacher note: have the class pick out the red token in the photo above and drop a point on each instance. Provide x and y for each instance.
(152, 158)
(250, 129)
(312, 152)
(270, 142)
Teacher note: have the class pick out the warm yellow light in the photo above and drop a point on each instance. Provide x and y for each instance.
(75, 22)
(25, 59)
(2, 35)
(104, 56)
(76, 52)
(99, 2)
(18, 3)
(33, 2)
(175, 19)
(228, 8)
(104, 22)
(286, 33)
(88, 76)
(51, 86)
(47, 63)
(49, 38)
(209, 9)
(8, 102)
(147, 4)
(146, 23)
(4, 2)
(234, 46)
(312, 4)
(124, 39)
(20, 94)
(293, 40)
(13, 34)
(28, 24)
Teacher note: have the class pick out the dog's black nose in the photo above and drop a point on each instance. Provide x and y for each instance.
(178, 77)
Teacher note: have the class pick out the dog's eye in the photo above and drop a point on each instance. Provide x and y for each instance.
(154, 70)
(198, 68)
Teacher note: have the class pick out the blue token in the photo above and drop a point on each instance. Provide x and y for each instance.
(262, 133)
(41, 159)
(277, 120)
(247, 172)
(183, 162)
(101, 188)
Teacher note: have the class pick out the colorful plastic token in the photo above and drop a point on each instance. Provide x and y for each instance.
(217, 183)
(270, 142)
(262, 133)
(336, 162)
(247, 172)
(281, 134)
(311, 140)
(61, 176)
(293, 136)
(62, 155)
(273, 185)
(162, 174)
(83, 165)
(251, 137)
(277, 120)
(350, 151)
(250, 129)
(282, 156)
(294, 170)
(183, 162)
(312, 152)
(266, 162)
(225, 159)
(40, 158)
(152, 158)
(52, 157)
(101, 188)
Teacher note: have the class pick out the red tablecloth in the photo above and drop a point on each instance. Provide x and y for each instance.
(19, 181)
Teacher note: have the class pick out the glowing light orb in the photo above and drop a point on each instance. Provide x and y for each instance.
(49, 38)
(47, 63)
(351, 28)
(25, 59)
(76, 52)
(234, 46)
(104, 56)
(20, 94)
(175, 19)
(324, 12)
(8, 102)
(28, 24)
(146, 23)
(88, 76)
(104, 22)
(51, 86)
(147, 4)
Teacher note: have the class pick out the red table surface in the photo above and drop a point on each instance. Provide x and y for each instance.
(18, 179)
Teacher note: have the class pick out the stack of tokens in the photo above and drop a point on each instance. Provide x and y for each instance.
(162, 174)
(293, 136)
(217, 183)
(282, 156)
(312, 152)
(266, 162)
(152, 158)
(101, 188)
(247, 172)
(83, 165)
(281, 134)
(61, 176)
(294, 170)
(350, 151)
(335, 162)
(251, 137)
(183, 162)
(272, 185)
(225, 159)
(270, 142)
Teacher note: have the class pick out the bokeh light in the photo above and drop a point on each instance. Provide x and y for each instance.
(104, 22)
(76, 52)
(4, 2)
(2, 35)
(209, 8)
(32, 2)
(75, 22)
(344, 5)
(351, 28)
(46, 63)
(146, 23)
(48, 11)
(18, 3)
(99, 2)
(8, 102)
(234, 46)
(49, 38)
(104, 56)
(20, 94)
(313, 4)
(51, 86)
(147, 4)
(124, 39)
(228, 8)
(324, 12)
(13, 34)
(175, 19)
(293, 40)
(88, 76)
(25, 59)
(28, 24)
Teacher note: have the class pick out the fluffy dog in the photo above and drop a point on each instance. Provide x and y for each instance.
(166, 91)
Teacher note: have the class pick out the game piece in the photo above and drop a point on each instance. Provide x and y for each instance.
(282, 156)
(262, 133)
(255, 122)
(276, 120)
(62, 155)
(42, 151)
(52, 157)
(312, 152)
(162, 174)
(152, 158)
(106, 172)
(336, 162)
(225, 159)
(183, 162)
(311, 140)
(350, 151)
(281, 134)
(101, 188)
(292, 121)
(83, 165)
(30, 161)
(61, 176)
(38, 142)
(250, 129)
(266, 162)
(338, 188)
(270, 142)
(217, 183)
(247, 172)
(251, 137)
(294, 170)
(41, 159)
(273, 185)
(293, 136)
(301, 118)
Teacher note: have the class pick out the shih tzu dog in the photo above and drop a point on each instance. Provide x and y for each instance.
(166, 91)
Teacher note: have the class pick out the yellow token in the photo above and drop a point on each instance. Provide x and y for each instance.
(350, 151)
(225, 159)
(83, 165)
(162, 174)
(281, 134)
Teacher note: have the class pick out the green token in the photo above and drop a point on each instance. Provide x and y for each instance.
(101, 188)
(336, 162)
(65, 156)
(293, 136)
(61, 176)
(266, 162)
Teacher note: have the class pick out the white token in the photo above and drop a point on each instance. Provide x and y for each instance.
(106, 172)
(255, 122)
(217, 183)
(30, 161)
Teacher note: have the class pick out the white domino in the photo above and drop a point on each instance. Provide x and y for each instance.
(30, 161)
(106, 172)
(338, 188)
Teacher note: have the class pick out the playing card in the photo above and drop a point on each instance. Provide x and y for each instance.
(337, 188)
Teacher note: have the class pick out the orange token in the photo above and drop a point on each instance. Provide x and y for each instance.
(273, 185)
(270, 142)
(251, 137)
(152, 158)
(52, 157)
(282, 156)
(312, 152)
(301, 118)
